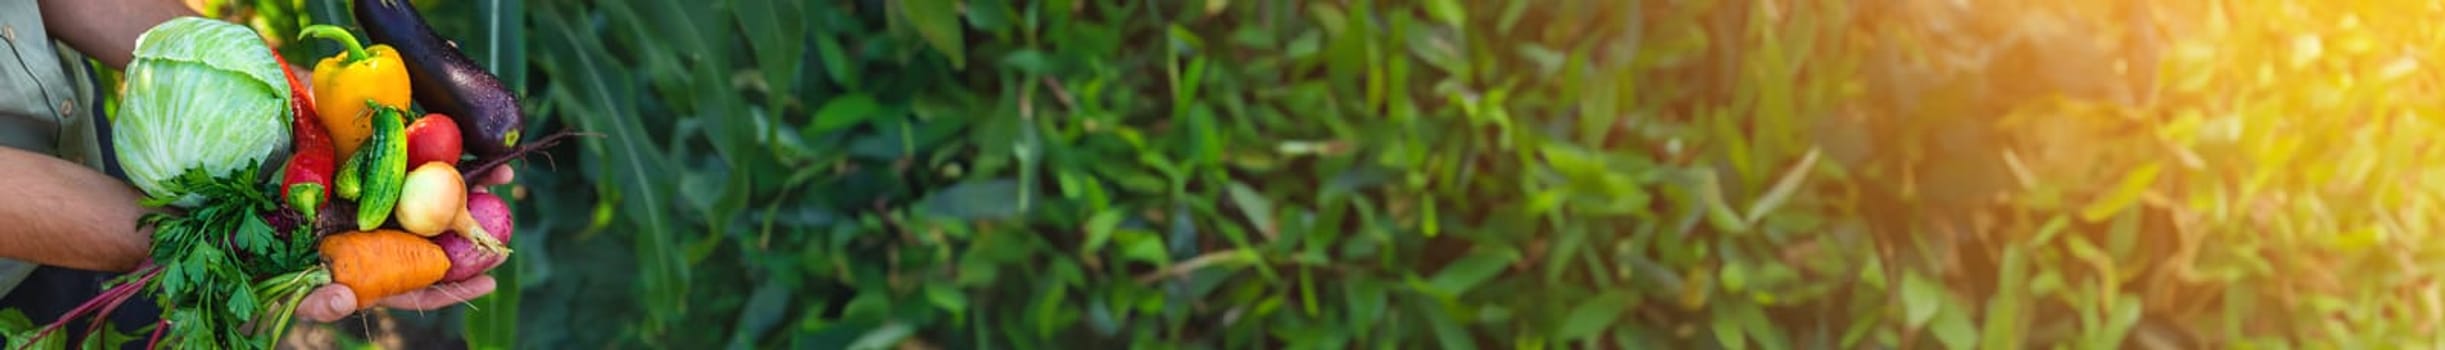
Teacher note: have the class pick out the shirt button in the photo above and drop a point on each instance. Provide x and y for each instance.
(67, 107)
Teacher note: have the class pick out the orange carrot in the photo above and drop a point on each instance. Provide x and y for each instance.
(382, 263)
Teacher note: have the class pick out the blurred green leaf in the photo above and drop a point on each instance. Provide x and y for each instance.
(773, 31)
(1099, 230)
(1783, 189)
(1921, 299)
(1448, 333)
(938, 22)
(1254, 206)
(1468, 272)
(2006, 320)
(1953, 326)
(1726, 326)
(1594, 315)
(2123, 194)
(947, 297)
(634, 164)
(836, 60)
(1448, 11)
(888, 336)
(841, 112)
(982, 199)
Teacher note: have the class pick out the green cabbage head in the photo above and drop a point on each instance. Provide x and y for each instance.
(201, 95)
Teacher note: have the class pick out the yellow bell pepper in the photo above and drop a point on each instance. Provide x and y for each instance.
(343, 82)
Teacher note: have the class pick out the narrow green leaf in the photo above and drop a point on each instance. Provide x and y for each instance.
(1953, 326)
(991, 16)
(2121, 320)
(2005, 327)
(1144, 247)
(1733, 276)
(2047, 231)
(13, 321)
(938, 22)
(492, 320)
(888, 336)
(978, 199)
(1921, 299)
(776, 34)
(1366, 299)
(637, 167)
(1448, 332)
(1466, 273)
(2124, 194)
(947, 297)
(1029, 61)
(504, 51)
(1593, 316)
(1783, 189)
(1861, 325)
(1719, 212)
(842, 112)
(1448, 11)
(1255, 207)
(1099, 229)
(1727, 328)
(836, 61)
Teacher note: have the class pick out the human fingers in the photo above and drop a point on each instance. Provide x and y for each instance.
(499, 175)
(441, 295)
(328, 303)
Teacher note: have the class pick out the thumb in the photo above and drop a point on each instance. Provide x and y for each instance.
(327, 304)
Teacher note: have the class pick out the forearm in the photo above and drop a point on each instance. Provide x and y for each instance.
(107, 29)
(59, 213)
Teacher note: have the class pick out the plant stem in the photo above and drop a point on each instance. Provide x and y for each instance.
(154, 342)
(121, 299)
(356, 50)
(110, 298)
(297, 285)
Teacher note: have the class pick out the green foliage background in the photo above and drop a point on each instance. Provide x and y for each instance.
(1463, 174)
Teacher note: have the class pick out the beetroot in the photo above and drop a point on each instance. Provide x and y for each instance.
(469, 258)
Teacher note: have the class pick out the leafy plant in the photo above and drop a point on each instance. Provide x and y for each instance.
(1467, 174)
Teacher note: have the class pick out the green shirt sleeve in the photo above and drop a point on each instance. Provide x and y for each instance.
(46, 99)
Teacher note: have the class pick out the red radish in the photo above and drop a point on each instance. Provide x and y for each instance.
(433, 138)
(489, 211)
(469, 258)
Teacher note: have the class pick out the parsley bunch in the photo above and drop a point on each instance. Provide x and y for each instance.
(214, 266)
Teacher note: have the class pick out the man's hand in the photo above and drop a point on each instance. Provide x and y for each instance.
(67, 215)
(332, 302)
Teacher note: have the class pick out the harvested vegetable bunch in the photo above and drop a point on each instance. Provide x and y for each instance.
(343, 82)
(203, 113)
(205, 107)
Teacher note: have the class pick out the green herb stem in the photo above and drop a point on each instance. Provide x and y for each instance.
(296, 285)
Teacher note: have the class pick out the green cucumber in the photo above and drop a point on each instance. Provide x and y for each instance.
(385, 167)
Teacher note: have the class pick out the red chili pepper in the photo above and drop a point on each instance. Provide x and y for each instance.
(306, 182)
